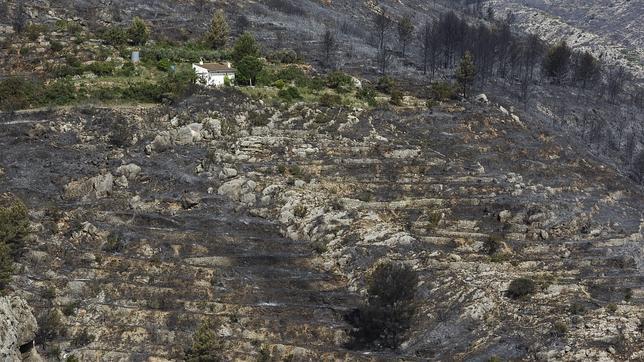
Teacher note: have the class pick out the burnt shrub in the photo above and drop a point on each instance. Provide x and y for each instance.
(520, 288)
(82, 339)
(122, 134)
(387, 314)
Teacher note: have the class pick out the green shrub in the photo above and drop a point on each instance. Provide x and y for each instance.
(14, 222)
(18, 93)
(279, 84)
(289, 94)
(396, 97)
(390, 307)
(33, 31)
(368, 94)
(386, 84)
(520, 288)
(164, 65)
(283, 56)
(206, 345)
(341, 82)
(128, 70)
(101, 68)
(330, 100)
(611, 308)
(56, 46)
(114, 36)
(59, 92)
(24, 51)
(6, 266)
(442, 91)
(559, 329)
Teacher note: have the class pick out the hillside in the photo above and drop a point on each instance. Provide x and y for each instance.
(611, 29)
(317, 209)
(346, 188)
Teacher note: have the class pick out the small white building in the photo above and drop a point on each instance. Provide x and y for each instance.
(214, 74)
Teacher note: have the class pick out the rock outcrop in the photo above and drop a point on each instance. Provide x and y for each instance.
(18, 329)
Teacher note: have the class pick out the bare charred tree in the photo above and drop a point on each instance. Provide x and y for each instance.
(329, 46)
(504, 41)
(384, 59)
(405, 33)
(382, 24)
(429, 47)
(615, 79)
(531, 51)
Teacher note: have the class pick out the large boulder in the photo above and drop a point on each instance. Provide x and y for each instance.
(18, 328)
(189, 134)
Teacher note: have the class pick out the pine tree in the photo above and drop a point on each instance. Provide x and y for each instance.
(465, 73)
(557, 62)
(405, 32)
(587, 69)
(219, 30)
(139, 32)
(245, 46)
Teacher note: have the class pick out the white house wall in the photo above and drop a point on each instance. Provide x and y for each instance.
(212, 79)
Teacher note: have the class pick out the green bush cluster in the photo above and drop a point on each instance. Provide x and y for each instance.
(368, 94)
(341, 82)
(283, 56)
(14, 226)
(289, 94)
(330, 99)
(188, 53)
(443, 91)
(206, 345)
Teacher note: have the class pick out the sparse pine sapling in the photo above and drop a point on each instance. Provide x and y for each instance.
(466, 73)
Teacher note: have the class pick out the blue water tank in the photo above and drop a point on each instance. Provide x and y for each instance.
(136, 57)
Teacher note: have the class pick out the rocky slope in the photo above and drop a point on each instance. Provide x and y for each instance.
(267, 218)
(612, 30)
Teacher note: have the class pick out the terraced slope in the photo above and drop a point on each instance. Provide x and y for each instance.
(267, 218)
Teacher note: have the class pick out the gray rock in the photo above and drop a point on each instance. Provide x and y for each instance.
(189, 134)
(190, 200)
(103, 185)
(505, 216)
(18, 327)
(130, 170)
(161, 143)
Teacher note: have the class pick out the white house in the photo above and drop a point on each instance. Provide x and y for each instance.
(214, 74)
